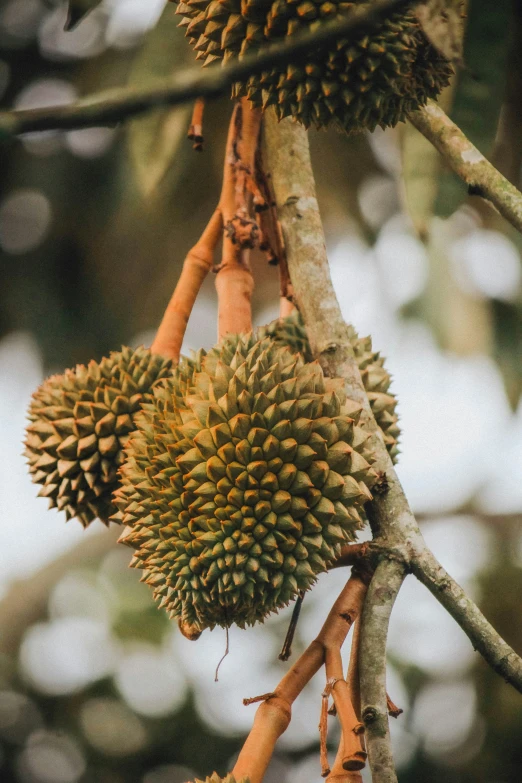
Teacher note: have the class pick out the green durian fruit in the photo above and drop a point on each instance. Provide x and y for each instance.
(354, 84)
(79, 422)
(291, 331)
(235, 502)
(214, 778)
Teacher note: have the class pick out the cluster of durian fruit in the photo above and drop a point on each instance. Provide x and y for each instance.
(361, 83)
(238, 474)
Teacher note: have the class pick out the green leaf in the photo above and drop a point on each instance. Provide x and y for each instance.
(157, 142)
(422, 166)
(480, 90)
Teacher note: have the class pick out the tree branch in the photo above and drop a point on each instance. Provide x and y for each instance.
(500, 656)
(383, 590)
(392, 521)
(481, 177)
(273, 716)
(115, 105)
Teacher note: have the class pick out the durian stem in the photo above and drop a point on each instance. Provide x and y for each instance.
(234, 282)
(354, 670)
(197, 265)
(273, 715)
(286, 307)
(336, 775)
(354, 756)
(195, 132)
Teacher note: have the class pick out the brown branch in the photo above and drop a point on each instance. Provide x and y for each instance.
(273, 716)
(286, 650)
(195, 132)
(481, 177)
(391, 518)
(354, 756)
(115, 105)
(234, 282)
(197, 265)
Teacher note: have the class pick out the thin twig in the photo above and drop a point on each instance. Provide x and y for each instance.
(115, 105)
(195, 133)
(227, 650)
(481, 177)
(286, 650)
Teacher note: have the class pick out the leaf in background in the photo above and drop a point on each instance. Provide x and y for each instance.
(421, 168)
(480, 90)
(441, 20)
(156, 140)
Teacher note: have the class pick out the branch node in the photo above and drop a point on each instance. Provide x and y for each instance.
(370, 715)
(255, 699)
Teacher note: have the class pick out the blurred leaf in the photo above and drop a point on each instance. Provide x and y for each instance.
(156, 141)
(441, 20)
(421, 168)
(480, 90)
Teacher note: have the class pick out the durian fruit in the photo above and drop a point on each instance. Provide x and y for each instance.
(237, 501)
(214, 778)
(353, 84)
(291, 331)
(79, 422)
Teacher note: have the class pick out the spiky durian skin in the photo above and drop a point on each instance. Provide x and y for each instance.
(291, 331)
(235, 503)
(79, 422)
(355, 85)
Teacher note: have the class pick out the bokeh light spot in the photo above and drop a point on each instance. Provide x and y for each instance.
(25, 217)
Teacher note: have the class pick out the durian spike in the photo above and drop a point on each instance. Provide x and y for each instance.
(196, 266)
(234, 282)
(273, 715)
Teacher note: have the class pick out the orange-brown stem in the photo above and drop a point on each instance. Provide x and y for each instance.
(354, 757)
(351, 554)
(286, 307)
(197, 264)
(323, 733)
(195, 133)
(270, 723)
(353, 671)
(234, 282)
(393, 710)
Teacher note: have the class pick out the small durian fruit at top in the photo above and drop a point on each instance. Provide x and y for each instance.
(79, 422)
(355, 84)
(235, 503)
(214, 778)
(291, 331)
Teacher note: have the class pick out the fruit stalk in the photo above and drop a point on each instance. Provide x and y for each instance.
(273, 715)
(234, 282)
(197, 265)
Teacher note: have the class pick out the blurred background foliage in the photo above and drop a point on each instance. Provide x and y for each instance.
(95, 683)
